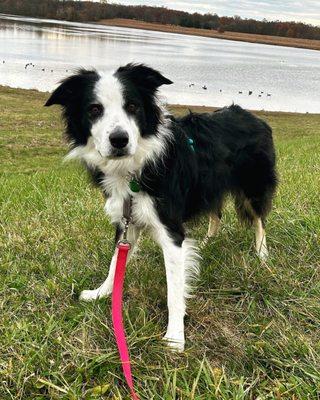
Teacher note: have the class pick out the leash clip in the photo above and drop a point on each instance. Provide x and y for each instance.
(124, 244)
(126, 223)
(126, 219)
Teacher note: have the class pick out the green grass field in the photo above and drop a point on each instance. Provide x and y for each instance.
(253, 331)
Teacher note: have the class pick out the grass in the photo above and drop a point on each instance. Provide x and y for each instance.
(237, 36)
(252, 330)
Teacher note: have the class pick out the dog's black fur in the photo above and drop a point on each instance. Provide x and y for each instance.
(74, 95)
(185, 166)
(233, 151)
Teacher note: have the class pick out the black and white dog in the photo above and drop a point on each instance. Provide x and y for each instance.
(183, 166)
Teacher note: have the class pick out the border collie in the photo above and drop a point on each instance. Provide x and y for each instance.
(183, 167)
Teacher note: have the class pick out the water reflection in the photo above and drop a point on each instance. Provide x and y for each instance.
(255, 76)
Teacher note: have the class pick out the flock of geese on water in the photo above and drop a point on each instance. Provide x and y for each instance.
(43, 69)
(204, 87)
(250, 92)
(33, 65)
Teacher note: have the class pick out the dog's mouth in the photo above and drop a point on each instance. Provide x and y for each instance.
(116, 154)
(117, 157)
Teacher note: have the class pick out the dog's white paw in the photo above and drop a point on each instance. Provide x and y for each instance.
(263, 254)
(175, 344)
(91, 295)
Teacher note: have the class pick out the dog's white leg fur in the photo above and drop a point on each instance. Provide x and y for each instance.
(174, 264)
(181, 264)
(261, 242)
(106, 288)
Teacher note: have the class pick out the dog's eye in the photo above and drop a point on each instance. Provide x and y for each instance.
(95, 110)
(132, 108)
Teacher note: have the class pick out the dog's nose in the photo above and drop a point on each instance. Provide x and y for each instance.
(119, 138)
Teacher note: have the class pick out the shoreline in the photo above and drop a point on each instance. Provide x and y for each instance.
(234, 36)
(179, 109)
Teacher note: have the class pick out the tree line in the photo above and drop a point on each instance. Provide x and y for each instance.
(94, 11)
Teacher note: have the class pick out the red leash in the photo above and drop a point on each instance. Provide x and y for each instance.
(117, 319)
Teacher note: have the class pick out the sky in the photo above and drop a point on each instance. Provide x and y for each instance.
(307, 11)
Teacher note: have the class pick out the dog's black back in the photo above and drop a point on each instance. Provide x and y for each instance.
(212, 154)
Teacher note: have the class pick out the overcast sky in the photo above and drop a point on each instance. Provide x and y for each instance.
(286, 10)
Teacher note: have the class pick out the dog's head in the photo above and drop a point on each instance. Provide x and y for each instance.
(115, 110)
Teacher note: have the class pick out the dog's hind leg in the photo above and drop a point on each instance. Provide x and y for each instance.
(255, 180)
(214, 224)
(215, 216)
(261, 242)
(106, 288)
(251, 212)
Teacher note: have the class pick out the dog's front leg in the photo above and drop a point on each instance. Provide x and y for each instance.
(175, 273)
(106, 288)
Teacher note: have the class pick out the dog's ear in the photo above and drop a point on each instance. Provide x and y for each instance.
(62, 94)
(70, 88)
(143, 76)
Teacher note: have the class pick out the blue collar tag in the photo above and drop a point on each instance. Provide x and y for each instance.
(191, 143)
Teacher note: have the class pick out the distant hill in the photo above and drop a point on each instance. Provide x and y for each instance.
(93, 11)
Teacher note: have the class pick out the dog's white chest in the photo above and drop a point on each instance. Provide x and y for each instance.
(143, 211)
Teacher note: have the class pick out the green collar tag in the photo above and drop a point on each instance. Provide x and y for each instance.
(134, 185)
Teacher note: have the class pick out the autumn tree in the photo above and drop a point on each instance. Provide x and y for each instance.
(94, 11)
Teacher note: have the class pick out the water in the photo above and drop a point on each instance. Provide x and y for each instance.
(291, 77)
